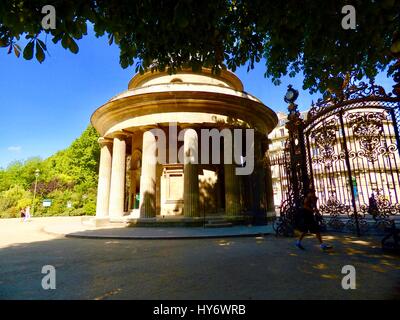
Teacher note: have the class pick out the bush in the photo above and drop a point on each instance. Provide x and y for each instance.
(12, 200)
(24, 202)
(78, 212)
(90, 208)
(10, 213)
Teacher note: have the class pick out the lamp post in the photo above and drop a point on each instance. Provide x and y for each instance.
(297, 156)
(37, 173)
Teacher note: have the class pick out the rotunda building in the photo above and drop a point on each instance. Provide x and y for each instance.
(186, 147)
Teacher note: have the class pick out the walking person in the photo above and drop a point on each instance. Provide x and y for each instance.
(27, 213)
(373, 207)
(22, 214)
(308, 223)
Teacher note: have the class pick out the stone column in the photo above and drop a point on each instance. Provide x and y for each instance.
(247, 192)
(132, 189)
(148, 176)
(191, 175)
(103, 188)
(220, 192)
(232, 183)
(117, 190)
(132, 177)
(232, 190)
(136, 167)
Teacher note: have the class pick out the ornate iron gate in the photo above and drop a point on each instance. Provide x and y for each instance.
(278, 164)
(347, 150)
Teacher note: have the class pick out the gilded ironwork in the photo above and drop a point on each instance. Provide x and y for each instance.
(351, 93)
(324, 140)
(368, 129)
(348, 151)
(335, 209)
(381, 209)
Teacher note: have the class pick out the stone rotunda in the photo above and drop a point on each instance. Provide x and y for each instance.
(160, 120)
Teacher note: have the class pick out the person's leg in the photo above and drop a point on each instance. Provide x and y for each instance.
(323, 245)
(298, 242)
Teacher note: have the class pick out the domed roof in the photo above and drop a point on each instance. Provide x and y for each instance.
(224, 78)
(186, 97)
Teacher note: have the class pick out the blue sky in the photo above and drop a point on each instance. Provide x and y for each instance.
(44, 107)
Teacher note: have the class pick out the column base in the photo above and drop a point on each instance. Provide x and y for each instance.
(166, 221)
(182, 221)
(135, 214)
(123, 218)
(95, 221)
(102, 221)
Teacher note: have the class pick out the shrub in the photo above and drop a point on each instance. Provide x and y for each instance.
(13, 197)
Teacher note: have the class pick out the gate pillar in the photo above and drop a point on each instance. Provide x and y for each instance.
(299, 182)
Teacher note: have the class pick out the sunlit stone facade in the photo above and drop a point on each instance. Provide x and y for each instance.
(134, 184)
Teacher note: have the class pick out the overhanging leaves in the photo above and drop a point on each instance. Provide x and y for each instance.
(291, 36)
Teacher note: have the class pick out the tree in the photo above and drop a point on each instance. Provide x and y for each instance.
(80, 160)
(68, 175)
(292, 35)
(12, 200)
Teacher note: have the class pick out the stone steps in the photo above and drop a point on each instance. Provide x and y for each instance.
(99, 222)
(218, 223)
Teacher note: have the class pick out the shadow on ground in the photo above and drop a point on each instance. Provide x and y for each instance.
(231, 268)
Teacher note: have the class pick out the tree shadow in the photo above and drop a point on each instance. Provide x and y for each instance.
(259, 268)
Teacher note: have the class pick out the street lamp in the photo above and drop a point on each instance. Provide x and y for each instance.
(291, 95)
(37, 173)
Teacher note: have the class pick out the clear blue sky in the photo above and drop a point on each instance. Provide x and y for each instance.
(44, 107)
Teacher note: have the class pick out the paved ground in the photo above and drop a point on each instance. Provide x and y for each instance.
(232, 268)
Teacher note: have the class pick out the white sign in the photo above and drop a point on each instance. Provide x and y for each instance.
(46, 203)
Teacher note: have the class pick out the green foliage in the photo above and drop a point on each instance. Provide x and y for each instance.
(25, 202)
(69, 175)
(12, 200)
(292, 36)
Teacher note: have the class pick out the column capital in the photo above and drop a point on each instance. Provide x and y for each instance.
(146, 128)
(119, 134)
(104, 141)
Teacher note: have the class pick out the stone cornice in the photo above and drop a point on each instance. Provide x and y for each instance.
(236, 107)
